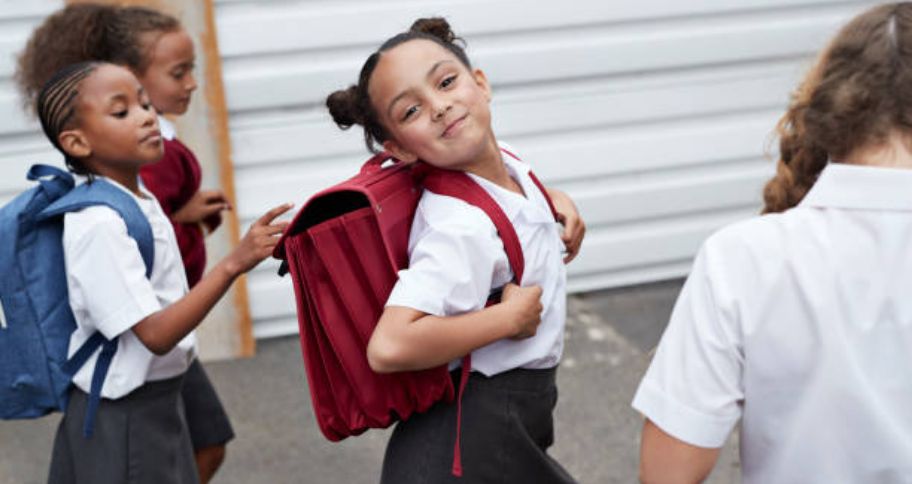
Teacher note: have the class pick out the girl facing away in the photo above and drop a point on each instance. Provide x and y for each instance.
(99, 116)
(159, 51)
(798, 323)
(420, 98)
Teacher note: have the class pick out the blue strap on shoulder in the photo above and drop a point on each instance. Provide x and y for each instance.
(53, 180)
(98, 192)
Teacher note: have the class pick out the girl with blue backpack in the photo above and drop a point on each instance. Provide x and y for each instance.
(159, 51)
(419, 97)
(99, 116)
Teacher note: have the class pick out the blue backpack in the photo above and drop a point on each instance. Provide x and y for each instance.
(35, 316)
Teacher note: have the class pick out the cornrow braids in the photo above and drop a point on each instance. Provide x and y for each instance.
(859, 90)
(56, 106)
(352, 105)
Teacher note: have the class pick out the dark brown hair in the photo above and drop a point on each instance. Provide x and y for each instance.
(859, 90)
(352, 106)
(89, 32)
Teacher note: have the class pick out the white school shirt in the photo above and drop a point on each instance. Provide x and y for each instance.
(109, 292)
(799, 324)
(166, 128)
(456, 259)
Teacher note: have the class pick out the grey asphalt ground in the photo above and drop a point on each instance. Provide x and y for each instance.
(609, 337)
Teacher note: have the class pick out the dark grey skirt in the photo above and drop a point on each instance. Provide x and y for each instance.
(507, 427)
(206, 417)
(141, 438)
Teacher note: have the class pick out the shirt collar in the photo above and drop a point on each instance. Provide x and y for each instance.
(858, 187)
(513, 203)
(168, 131)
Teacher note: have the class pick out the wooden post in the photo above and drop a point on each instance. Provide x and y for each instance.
(227, 332)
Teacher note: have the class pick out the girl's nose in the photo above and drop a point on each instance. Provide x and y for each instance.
(440, 110)
(149, 116)
(191, 82)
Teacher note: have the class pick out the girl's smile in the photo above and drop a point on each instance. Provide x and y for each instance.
(453, 128)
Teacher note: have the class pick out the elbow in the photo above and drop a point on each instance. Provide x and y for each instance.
(384, 357)
(156, 347)
(151, 340)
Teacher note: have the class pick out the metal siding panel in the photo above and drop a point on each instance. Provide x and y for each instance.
(655, 115)
(21, 140)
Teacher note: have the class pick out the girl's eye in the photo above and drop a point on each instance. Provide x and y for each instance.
(448, 81)
(120, 114)
(146, 105)
(409, 112)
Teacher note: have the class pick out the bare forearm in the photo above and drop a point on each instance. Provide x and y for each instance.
(430, 341)
(162, 330)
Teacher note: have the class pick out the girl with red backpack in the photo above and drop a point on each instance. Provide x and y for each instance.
(420, 99)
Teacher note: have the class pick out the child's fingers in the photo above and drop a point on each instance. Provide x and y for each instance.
(276, 228)
(211, 196)
(210, 210)
(273, 213)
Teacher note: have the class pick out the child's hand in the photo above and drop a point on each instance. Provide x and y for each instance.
(526, 307)
(203, 204)
(574, 227)
(259, 241)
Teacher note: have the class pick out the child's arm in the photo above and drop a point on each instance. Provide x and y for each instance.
(408, 339)
(574, 227)
(665, 459)
(162, 330)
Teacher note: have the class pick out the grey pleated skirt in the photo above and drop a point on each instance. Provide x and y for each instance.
(141, 438)
(507, 427)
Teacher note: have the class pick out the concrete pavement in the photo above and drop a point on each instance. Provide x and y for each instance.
(609, 336)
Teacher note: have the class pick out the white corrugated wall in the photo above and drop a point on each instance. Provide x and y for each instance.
(21, 141)
(654, 115)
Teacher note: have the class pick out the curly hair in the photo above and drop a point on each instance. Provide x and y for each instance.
(89, 32)
(858, 91)
(352, 105)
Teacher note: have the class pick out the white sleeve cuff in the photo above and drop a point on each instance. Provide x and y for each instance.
(680, 421)
(125, 317)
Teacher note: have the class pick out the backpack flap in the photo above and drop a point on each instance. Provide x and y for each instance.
(390, 190)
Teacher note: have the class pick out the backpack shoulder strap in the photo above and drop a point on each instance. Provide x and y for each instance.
(459, 185)
(53, 180)
(102, 192)
(537, 183)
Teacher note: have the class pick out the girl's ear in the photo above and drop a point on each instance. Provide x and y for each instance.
(482, 81)
(75, 143)
(399, 152)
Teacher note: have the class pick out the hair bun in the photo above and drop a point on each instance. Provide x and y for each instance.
(343, 107)
(435, 26)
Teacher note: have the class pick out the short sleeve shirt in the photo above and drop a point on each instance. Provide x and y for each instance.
(456, 259)
(109, 293)
(799, 325)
